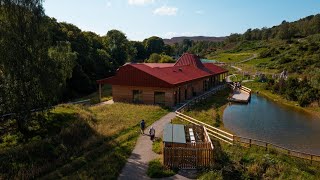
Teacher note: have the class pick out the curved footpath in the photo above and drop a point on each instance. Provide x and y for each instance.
(137, 164)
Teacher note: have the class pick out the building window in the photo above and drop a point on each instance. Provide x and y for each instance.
(159, 98)
(137, 96)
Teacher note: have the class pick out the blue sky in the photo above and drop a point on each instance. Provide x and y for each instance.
(140, 19)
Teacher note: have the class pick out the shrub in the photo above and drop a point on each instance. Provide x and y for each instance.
(157, 170)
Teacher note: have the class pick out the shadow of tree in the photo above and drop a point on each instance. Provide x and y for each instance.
(71, 147)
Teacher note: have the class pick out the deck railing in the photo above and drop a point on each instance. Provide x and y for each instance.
(242, 88)
(238, 140)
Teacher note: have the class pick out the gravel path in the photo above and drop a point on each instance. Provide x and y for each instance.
(137, 164)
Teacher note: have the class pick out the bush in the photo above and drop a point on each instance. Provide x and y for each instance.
(157, 170)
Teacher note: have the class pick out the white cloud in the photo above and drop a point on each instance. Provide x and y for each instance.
(199, 12)
(108, 4)
(140, 2)
(166, 11)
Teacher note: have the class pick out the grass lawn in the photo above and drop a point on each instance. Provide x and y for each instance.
(236, 162)
(81, 143)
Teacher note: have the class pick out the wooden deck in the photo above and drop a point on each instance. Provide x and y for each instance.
(241, 95)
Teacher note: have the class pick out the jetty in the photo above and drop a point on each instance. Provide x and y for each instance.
(240, 95)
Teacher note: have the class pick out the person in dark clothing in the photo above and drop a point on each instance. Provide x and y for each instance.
(142, 126)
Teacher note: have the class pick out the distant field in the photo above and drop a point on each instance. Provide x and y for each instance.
(232, 57)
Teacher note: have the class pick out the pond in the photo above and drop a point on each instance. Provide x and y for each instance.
(266, 120)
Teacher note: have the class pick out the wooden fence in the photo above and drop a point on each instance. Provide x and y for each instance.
(238, 140)
(249, 142)
(188, 156)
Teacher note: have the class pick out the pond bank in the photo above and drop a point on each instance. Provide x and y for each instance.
(257, 88)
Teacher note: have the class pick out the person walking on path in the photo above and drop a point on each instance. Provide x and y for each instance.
(142, 126)
(152, 133)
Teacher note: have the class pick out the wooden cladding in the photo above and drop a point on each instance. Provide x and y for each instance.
(168, 97)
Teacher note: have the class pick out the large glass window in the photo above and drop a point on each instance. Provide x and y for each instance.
(159, 98)
(137, 96)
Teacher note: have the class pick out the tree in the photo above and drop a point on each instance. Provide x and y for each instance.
(168, 50)
(247, 35)
(154, 58)
(31, 80)
(153, 45)
(186, 44)
(160, 58)
(117, 45)
(141, 51)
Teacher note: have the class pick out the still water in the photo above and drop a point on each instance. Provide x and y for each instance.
(266, 120)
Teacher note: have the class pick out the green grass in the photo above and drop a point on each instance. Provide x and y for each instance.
(210, 111)
(157, 146)
(232, 57)
(157, 170)
(80, 143)
(238, 162)
(239, 78)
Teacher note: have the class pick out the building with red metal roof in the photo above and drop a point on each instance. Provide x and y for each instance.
(164, 83)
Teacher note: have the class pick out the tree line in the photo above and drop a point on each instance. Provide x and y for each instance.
(44, 62)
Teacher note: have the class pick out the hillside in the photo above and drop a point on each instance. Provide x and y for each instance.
(193, 38)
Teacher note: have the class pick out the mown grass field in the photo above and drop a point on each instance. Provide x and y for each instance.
(81, 143)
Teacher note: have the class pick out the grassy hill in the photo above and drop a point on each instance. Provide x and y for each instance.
(76, 142)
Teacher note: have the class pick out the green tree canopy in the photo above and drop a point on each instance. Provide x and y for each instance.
(32, 75)
(117, 45)
(153, 44)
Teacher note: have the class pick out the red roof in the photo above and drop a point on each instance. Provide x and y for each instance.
(186, 69)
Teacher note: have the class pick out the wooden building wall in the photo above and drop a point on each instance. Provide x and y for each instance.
(125, 93)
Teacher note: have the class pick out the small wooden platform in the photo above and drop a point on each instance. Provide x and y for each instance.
(241, 95)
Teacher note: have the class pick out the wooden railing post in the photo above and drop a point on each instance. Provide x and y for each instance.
(100, 92)
(233, 140)
(266, 146)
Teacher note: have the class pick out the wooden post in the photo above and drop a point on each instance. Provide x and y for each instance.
(100, 91)
(311, 159)
(266, 146)
(288, 152)
(233, 140)
(249, 142)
